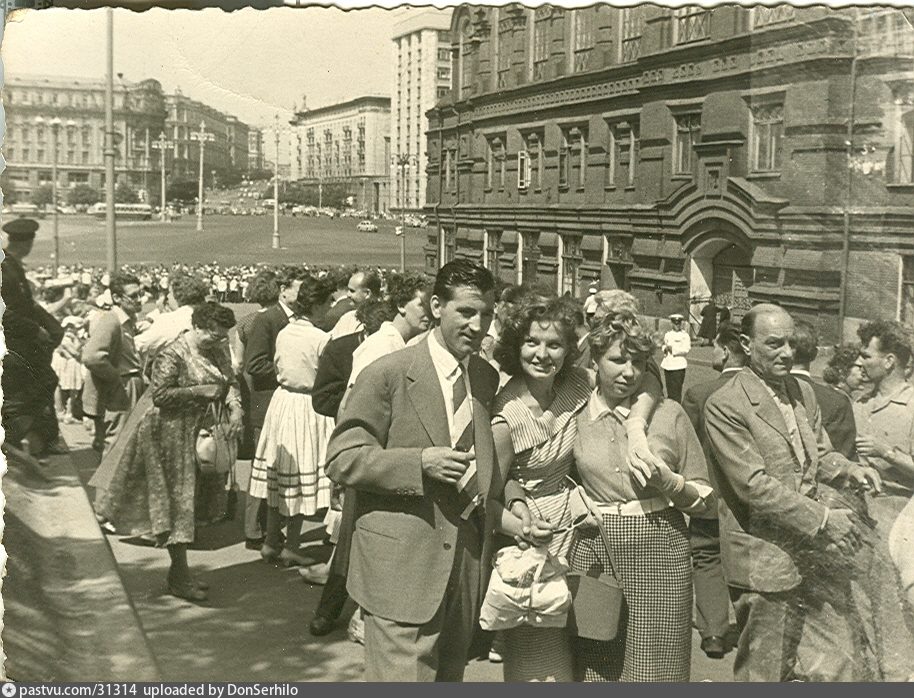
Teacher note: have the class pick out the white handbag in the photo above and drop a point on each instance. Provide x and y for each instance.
(527, 587)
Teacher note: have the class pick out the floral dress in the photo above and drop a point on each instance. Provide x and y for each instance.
(149, 478)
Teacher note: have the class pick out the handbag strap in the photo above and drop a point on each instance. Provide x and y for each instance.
(599, 517)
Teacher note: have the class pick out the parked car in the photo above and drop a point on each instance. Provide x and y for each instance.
(367, 227)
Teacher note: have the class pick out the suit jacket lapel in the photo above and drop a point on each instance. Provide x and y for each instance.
(424, 392)
(804, 420)
(764, 403)
(482, 429)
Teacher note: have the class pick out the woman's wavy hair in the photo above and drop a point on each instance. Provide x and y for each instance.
(624, 327)
(566, 313)
(264, 288)
(312, 293)
(188, 289)
(840, 363)
(210, 315)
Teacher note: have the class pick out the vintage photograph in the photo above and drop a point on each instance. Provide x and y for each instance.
(487, 343)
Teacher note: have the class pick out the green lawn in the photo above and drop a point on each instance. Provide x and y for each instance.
(230, 240)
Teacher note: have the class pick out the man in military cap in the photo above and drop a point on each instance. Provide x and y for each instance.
(31, 336)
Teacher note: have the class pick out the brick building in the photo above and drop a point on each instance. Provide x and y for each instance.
(683, 154)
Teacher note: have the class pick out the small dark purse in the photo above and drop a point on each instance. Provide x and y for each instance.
(597, 598)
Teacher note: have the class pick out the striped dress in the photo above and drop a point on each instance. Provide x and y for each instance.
(544, 455)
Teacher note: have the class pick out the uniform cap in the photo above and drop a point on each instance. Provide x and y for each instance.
(21, 229)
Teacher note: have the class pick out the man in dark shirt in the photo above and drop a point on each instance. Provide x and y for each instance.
(31, 336)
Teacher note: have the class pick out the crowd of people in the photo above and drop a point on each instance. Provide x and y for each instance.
(460, 437)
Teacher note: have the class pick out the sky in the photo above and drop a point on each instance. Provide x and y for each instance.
(252, 64)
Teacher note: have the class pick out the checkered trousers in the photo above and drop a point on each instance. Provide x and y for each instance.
(655, 635)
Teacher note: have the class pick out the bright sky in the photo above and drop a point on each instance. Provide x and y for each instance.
(249, 63)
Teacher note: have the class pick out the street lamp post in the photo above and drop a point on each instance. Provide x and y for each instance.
(403, 162)
(203, 136)
(161, 145)
(110, 225)
(275, 240)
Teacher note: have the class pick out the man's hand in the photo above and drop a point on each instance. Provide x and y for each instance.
(842, 531)
(235, 424)
(445, 464)
(870, 447)
(865, 478)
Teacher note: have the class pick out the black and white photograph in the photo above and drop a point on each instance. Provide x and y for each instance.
(515, 342)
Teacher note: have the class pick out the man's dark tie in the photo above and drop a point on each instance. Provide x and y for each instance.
(462, 440)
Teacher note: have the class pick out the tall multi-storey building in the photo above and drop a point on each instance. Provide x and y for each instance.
(745, 154)
(346, 143)
(228, 150)
(422, 58)
(40, 107)
(255, 148)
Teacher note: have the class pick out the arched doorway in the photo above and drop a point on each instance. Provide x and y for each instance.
(732, 277)
(720, 267)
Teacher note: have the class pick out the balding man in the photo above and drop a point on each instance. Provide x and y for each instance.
(362, 286)
(770, 458)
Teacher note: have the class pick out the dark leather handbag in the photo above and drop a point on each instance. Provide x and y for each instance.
(597, 598)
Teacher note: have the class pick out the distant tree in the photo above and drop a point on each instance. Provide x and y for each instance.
(125, 194)
(83, 195)
(184, 191)
(43, 195)
(230, 178)
(258, 175)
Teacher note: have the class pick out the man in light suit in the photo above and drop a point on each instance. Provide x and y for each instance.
(116, 381)
(415, 443)
(712, 599)
(770, 458)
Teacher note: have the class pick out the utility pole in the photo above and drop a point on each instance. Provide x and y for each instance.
(403, 163)
(203, 136)
(161, 145)
(110, 226)
(275, 241)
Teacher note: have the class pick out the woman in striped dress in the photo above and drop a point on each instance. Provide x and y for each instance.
(288, 464)
(534, 430)
(644, 525)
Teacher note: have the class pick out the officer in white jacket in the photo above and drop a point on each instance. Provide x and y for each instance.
(676, 346)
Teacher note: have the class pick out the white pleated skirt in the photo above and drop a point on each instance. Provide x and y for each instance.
(289, 462)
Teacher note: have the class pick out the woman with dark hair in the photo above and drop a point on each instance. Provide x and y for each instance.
(644, 525)
(184, 293)
(288, 464)
(845, 373)
(533, 426)
(154, 472)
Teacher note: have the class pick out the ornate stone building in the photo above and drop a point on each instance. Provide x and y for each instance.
(745, 154)
(33, 102)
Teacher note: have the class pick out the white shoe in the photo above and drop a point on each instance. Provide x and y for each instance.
(495, 657)
(315, 574)
(356, 629)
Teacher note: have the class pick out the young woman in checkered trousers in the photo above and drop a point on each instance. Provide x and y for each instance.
(534, 429)
(644, 523)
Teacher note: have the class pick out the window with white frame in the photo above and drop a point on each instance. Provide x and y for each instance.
(688, 133)
(583, 36)
(533, 142)
(766, 134)
(611, 156)
(524, 170)
(632, 28)
(691, 23)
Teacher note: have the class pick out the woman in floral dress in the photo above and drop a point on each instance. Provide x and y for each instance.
(152, 483)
